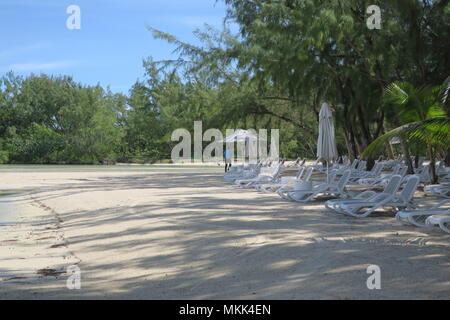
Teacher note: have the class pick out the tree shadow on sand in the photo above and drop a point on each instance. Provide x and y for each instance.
(202, 244)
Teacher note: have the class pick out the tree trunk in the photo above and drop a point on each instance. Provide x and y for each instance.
(447, 158)
(416, 160)
(350, 143)
(362, 145)
(370, 164)
(407, 155)
(365, 136)
(390, 152)
(347, 145)
(434, 176)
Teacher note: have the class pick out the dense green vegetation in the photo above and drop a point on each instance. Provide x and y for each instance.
(53, 119)
(287, 58)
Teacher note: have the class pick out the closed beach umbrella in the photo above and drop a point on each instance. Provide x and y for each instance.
(326, 144)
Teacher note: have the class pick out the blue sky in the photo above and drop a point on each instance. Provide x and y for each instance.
(112, 41)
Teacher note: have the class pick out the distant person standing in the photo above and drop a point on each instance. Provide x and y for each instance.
(227, 158)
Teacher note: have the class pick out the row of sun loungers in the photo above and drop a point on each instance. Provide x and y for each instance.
(398, 188)
(367, 202)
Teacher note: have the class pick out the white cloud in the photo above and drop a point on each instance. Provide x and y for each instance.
(16, 51)
(42, 66)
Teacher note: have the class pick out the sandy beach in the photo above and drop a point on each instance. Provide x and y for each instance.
(183, 233)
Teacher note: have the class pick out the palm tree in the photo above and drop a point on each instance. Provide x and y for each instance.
(424, 111)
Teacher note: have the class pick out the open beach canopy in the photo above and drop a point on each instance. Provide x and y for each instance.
(249, 138)
(241, 135)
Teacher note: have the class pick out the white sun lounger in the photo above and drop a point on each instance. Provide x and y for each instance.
(242, 172)
(368, 196)
(264, 177)
(328, 188)
(282, 192)
(419, 217)
(365, 208)
(441, 221)
(283, 181)
(441, 190)
(375, 172)
(382, 179)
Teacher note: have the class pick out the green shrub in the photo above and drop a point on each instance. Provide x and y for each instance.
(4, 158)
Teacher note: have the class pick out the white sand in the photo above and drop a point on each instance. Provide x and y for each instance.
(185, 234)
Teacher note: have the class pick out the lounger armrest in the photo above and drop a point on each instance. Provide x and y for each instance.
(297, 190)
(317, 188)
(440, 204)
(365, 194)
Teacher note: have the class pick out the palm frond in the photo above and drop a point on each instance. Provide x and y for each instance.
(436, 111)
(396, 93)
(445, 93)
(435, 132)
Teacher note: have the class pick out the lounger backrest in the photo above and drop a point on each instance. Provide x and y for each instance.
(344, 179)
(278, 171)
(380, 197)
(396, 169)
(354, 164)
(308, 174)
(376, 170)
(361, 165)
(420, 162)
(425, 175)
(300, 173)
(393, 184)
(375, 167)
(410, 188)
(403, 171)
(331, 176)
(347, 161)
(270, 171)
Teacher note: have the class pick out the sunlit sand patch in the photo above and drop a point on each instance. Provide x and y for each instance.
(32, 246)
(188, 235)
(283, 264)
